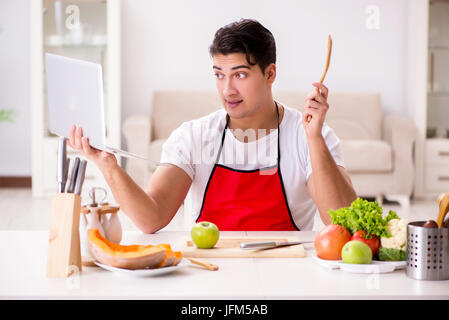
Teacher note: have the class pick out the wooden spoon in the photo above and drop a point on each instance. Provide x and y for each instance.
(440, 197)
(204, 264)
(328, 59)
(443, 201)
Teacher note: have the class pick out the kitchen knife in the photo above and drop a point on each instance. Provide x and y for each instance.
(62, 164)
(73, 174)
(80, 177)
(269, 244)
(66, 172)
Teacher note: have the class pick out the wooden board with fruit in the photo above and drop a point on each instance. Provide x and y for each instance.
(229, 247)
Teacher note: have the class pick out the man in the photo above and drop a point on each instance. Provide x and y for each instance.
(304, 169)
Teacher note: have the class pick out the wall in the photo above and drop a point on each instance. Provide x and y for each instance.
(164, 46)
(15, 138)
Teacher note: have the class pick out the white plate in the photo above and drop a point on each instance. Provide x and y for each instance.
(374, 267)
(145, 272)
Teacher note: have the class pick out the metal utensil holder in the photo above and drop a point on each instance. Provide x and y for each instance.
(427, 252)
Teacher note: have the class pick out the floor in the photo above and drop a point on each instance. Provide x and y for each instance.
(22, 212)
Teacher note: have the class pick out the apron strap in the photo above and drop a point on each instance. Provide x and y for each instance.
(279, 132)
(222, 140)
(224, 134)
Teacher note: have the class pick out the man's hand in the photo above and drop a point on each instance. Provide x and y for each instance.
(316, 106)
(329, 185)
(76, 141)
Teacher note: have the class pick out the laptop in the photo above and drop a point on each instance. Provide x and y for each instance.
(75, 96)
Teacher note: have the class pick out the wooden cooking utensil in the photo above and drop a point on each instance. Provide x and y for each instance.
(204, 264)
(328, 59)
(443, 201)
(440, 197)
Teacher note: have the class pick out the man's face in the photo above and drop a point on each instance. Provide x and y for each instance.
(242, 87)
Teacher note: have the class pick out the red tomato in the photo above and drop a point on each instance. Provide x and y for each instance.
(373, 243)
(330, 241)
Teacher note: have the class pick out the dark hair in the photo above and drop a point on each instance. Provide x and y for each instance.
(249, 37)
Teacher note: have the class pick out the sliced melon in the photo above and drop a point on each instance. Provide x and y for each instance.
(124, 256)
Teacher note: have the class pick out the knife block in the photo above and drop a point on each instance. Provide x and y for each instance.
(64, 253)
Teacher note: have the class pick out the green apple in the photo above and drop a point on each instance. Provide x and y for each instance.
(205, 234)
(357, 252)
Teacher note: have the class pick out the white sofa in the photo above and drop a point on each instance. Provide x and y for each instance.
(378, 149)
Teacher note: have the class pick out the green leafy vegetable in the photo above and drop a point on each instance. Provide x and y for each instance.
(363, 215)
(391, 254)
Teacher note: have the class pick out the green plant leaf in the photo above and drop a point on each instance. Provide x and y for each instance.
(391, 254)
(6, 115)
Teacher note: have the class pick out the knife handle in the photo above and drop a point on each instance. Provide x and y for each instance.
(66, 173)
(73, 174)
(80, 177)
(62, 163)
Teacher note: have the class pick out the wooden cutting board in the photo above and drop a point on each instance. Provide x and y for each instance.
(229, 247)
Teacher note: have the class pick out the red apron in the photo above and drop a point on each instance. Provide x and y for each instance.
(246, 200)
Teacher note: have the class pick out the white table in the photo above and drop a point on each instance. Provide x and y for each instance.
(24, 255)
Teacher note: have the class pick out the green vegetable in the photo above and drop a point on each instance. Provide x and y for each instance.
(391, 254)
(363, 215)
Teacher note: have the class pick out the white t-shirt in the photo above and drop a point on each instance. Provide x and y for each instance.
(194, 147)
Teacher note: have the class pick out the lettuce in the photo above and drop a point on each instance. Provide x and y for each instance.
(363, 215)
(391, 254)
